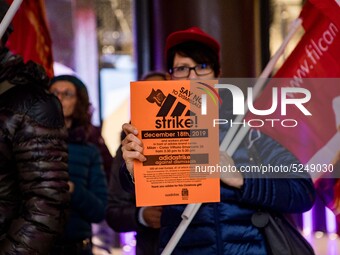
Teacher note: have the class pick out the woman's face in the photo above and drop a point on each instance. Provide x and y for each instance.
(180, 61)
(67, 94)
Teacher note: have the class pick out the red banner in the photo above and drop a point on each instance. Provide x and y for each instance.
(315, 139)
(31, 38)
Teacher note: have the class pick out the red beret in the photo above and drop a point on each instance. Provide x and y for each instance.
(191, 34)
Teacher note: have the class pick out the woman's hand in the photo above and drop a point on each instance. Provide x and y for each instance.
(132, 147)
(152, 216)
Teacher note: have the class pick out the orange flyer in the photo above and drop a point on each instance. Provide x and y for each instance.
(175, 123)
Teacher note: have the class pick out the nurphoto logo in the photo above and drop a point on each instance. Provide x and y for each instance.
(281, 97)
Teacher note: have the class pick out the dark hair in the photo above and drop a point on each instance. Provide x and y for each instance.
(197, 51)
(82, 113)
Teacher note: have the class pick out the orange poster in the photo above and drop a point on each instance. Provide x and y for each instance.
(175, 123)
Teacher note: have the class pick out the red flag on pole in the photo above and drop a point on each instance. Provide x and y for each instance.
(315, 140)
(31, 38)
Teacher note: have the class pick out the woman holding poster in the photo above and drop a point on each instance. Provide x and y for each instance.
(224, 227)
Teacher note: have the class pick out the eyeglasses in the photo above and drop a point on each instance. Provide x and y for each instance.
(63, 94)
(184, 71)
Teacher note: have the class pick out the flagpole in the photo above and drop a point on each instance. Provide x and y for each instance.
(226, 145)
(9, 16)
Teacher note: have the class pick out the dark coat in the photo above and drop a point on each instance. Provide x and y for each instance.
(96, 138)
(89, 199)
(33, 161)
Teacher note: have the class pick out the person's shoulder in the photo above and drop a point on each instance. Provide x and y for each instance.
(52, 113)
(87, 147)
(95, 135)
(93, 147)
(29, 94)
(37, 103)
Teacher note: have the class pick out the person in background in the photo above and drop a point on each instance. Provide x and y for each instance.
(96, 138)
(34, 195)
(88, 185)
(224, 227)
(122, 215)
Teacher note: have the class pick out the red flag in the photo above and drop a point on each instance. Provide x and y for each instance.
(31, 38)
(315, 139)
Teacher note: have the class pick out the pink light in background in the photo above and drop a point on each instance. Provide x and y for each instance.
(60, 69)
(330, 221)
(307, 222)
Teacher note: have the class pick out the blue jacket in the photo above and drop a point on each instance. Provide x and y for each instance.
(225, 227)
(89, 199)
